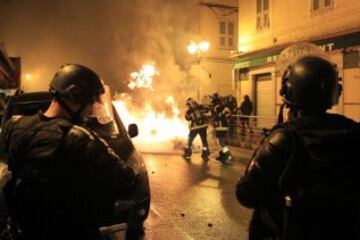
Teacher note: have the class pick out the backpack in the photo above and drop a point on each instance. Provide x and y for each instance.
(292, 179)
(10, 229)
(292, 182)
(294, 185)
(279, 224)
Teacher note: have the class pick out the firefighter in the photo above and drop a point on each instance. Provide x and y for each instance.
(196, 115)
(221, 121)
(214, 100)
(231, 103)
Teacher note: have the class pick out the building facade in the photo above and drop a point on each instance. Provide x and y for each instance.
(266, 27)
(215, 22)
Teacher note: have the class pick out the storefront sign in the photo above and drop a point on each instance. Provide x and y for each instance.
(270, 56)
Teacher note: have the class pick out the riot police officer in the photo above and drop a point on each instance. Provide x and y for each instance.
(221, 122)
(196, 115)
(303, 180)
(66, 179)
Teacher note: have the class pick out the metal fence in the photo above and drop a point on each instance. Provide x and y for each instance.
(247, 131)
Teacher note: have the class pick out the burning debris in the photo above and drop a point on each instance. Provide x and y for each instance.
(162, 129)
(143, 78)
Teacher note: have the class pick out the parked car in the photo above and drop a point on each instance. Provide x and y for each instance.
(130, 213)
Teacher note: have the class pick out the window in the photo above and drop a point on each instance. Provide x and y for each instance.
(262, 14)
(320, 5)
(244, 74)
(328, 3)
(351, 59)
(315, 5)
(227, 34)
(241, 74)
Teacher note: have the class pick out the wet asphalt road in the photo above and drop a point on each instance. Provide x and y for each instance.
(193, 200)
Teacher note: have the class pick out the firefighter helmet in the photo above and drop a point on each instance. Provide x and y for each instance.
(190, 102)
(215, 99)
(311, 83)
(76, 83)
(215, 96)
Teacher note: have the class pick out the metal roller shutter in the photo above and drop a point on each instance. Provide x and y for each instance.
(264, 100)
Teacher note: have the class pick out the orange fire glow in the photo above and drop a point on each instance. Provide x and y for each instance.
(143, 78)
(159, 131)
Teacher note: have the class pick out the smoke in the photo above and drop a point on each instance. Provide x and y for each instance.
(114, 37)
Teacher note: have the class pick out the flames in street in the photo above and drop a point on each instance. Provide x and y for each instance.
(159, 131)
(143, 78)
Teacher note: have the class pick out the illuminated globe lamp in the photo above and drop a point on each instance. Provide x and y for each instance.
(192, 48)
(197, 48)
(204, 46)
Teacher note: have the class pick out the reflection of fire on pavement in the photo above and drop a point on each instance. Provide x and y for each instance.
(159, 130)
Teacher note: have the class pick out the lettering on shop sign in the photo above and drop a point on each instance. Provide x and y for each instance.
(243, 64)
(274, 57)
(327, 47)
(271, 59)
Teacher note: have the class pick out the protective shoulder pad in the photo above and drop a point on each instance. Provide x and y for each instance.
(15, 118)
(79, 131)
(279, 137)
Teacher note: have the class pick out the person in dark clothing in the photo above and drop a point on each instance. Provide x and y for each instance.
(221, 121)
(214, 100)
(231, 103)
(196, 115)
(303, 181)
(66, 179)
(246, 109)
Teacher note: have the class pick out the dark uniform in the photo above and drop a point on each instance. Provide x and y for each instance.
(303, 180)
(231, 103)
(65, 178)
(196, 115)
(221, 121)
(246, 109)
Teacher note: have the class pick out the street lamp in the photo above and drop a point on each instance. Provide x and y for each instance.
(197, 48)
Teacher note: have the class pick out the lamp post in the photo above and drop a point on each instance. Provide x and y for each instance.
(196, 48)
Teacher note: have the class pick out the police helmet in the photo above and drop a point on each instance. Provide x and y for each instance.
(76, 83)
(215, 96)
(188, 101)
(311, 83)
